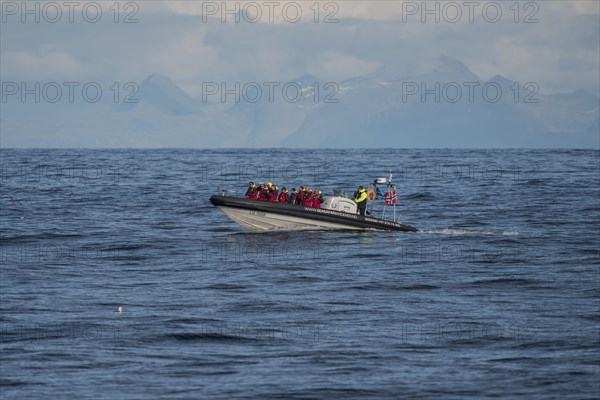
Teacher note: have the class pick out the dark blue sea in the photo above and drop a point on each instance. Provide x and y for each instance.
(497, 296)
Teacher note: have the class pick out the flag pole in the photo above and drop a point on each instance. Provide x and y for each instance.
(390, 186)
(395, 205)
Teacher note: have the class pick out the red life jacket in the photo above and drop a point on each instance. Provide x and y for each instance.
(307, 200)
(251, 193)
(283, 198)
(299, 198)
(272, 195)
(317, 200)
(263, 194)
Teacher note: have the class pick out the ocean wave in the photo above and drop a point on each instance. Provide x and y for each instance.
(450, 231)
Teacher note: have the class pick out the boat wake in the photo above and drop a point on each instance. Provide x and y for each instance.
(449, 231)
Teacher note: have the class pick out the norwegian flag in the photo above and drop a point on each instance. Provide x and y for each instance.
(390, 197)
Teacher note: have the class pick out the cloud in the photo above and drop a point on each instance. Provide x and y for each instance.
(331, 65)
(559, 52)
(380, 10)
(57, 64)
(185, 58)
(281, 12)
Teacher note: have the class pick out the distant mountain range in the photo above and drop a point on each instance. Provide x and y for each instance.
(447, 107)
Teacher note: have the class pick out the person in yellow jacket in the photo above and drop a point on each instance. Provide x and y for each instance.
(360, 197)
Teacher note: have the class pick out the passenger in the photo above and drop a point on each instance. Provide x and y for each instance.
(293, 195)
(273, 193)
(251, 192)
(262, 192)
(300, 197)
(317, 199)
(307, 200)
(283, 196)
(360, 197)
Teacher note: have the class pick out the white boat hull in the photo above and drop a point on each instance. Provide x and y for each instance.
(265, 221)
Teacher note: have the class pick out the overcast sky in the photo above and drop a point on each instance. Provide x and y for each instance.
(552, 43)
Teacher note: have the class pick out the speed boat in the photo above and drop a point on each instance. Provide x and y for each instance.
(335, 213)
